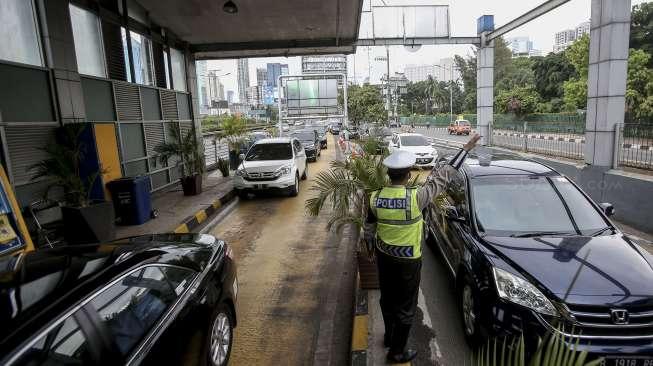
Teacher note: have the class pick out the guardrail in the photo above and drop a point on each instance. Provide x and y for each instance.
(557, 139)
(635, 145)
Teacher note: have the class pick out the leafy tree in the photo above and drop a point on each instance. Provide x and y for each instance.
(639, 96)
(575, 89)
(641, 29)
(518, 75)
(467, 67)
(520, 101)
(503, 65)
(550, 72)
(365, 104)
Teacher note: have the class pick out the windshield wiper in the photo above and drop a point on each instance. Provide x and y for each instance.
(600, 231)
(540, 233)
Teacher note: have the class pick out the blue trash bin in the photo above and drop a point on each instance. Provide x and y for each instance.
(131, 199)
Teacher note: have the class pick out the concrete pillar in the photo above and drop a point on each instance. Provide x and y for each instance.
(484, 88)
(59, 45)
(606, 83)
(191, 87)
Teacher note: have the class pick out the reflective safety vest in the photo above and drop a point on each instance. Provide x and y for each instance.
(400, 226)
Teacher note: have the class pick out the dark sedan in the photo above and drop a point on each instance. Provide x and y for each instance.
(531, 253)
(158, 299)
(311, 142)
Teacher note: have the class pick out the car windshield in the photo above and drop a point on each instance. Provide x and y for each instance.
(463, 123)
(414, 141)
(277, 151)
(304, 136)
(507, 206)
(257, 136)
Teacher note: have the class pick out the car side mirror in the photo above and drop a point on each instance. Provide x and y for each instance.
(241, 157)
(607, 208)
(452, 214)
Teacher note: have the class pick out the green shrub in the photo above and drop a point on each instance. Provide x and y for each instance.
(223, 166)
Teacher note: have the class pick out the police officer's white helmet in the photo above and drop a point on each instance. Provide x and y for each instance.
(400, 159)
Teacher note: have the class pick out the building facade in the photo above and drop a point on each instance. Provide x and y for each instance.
(202, 87)
(274, 70)
(243, 79)
(566, 37)
(128, 83)
(253, 95)
(415, 73)
(230, 96)
(320, 64)
(522, 47)
(216, 88)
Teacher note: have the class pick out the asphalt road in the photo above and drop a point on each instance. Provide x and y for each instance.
(295, 281)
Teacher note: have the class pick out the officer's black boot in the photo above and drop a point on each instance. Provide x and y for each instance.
(398, 352)
(387, 337)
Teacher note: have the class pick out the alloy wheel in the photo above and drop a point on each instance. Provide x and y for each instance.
(220, 339)
(469, 315)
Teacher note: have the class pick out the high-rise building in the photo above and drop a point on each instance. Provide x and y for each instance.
(230, 96)
(243, 79)
(566, 37)
(522, 47)
(261, 77)
(324, 63)
(215, 88)
(274, 70)
(253, 95)
(202, 87)
(415, 73)
(443, 70)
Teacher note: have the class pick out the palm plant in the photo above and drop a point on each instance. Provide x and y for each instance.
(185, 148)
(223, 166)
(553, 351)
(62, 167)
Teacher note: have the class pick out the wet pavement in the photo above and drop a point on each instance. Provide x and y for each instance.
(295, 280)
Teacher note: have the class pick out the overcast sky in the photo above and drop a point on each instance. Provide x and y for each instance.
(463, 15)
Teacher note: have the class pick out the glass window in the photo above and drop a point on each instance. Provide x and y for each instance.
(269, 152)
(166, 69)
(457, 194)
(585, 215)
(414, 140)
(88, 42)
(18, 32)
(142, 54)
(178, 69)
(64, 345)
(131, 307)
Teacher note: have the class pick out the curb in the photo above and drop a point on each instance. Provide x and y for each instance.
(202, 215)
(359, 331)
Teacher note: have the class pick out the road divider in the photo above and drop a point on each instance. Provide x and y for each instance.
(192, 222)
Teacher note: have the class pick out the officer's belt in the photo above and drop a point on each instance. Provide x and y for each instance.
(399, 222)
(396, 250)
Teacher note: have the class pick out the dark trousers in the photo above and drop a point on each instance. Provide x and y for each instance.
(399, 281)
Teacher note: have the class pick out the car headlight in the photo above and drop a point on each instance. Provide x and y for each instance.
(241, 172)
(284, 170)
(522, 292)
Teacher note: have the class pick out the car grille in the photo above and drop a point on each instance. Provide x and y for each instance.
(262, 176)
(599, 322)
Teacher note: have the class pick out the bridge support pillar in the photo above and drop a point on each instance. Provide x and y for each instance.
(606, 83)
(484, 88)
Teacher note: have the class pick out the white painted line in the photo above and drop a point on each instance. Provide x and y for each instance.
(436, 354)
(219, 217)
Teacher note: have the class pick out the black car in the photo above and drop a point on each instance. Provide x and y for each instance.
(321, 132)
(158, 299)
(531, 253)
(311, 142)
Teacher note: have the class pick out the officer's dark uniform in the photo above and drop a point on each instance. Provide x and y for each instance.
(395, 224)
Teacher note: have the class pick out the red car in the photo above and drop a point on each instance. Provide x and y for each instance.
(460, 127)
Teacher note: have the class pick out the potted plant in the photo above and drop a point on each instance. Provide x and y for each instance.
(189, 156)
(84, 220)
(346, 189)
(233, 130)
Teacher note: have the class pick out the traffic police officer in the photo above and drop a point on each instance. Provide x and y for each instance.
(394, 222)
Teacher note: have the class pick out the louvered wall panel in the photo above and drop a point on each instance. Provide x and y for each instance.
(24, 144)
(169, 104)
(154, 136)
(128, 102)
(113, 50)
(185, 127)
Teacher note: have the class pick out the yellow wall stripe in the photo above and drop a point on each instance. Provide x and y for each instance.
(181, 229)
(359, 333)
(107, 148)
(200, 216)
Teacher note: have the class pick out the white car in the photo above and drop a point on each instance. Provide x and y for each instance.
(418, 144)
(272, 164)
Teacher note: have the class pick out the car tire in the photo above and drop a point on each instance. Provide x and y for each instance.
(219, 339)
(468, 301)
(305, 175)
(293, 191)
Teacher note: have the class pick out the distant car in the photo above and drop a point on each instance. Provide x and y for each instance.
(271, 164)
(530, 253)
(354, 133)
(153, 299)
(394, 124)
(321, 131)
(310, 141)
(460, 127)
(335, 129)
(285, 128)
(417, 144)
(258, 135)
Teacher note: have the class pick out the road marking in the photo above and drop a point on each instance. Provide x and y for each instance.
(200, 216)
(181, 229)
(359, 333)
(436, 354)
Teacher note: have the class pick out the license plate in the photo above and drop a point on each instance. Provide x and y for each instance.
(261, 186)
(627, 361)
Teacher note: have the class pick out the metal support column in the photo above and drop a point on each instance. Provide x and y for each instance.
(484, 88)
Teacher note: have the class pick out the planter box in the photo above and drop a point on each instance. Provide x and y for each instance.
(90, 224)
(367, 271)
(191, 185)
